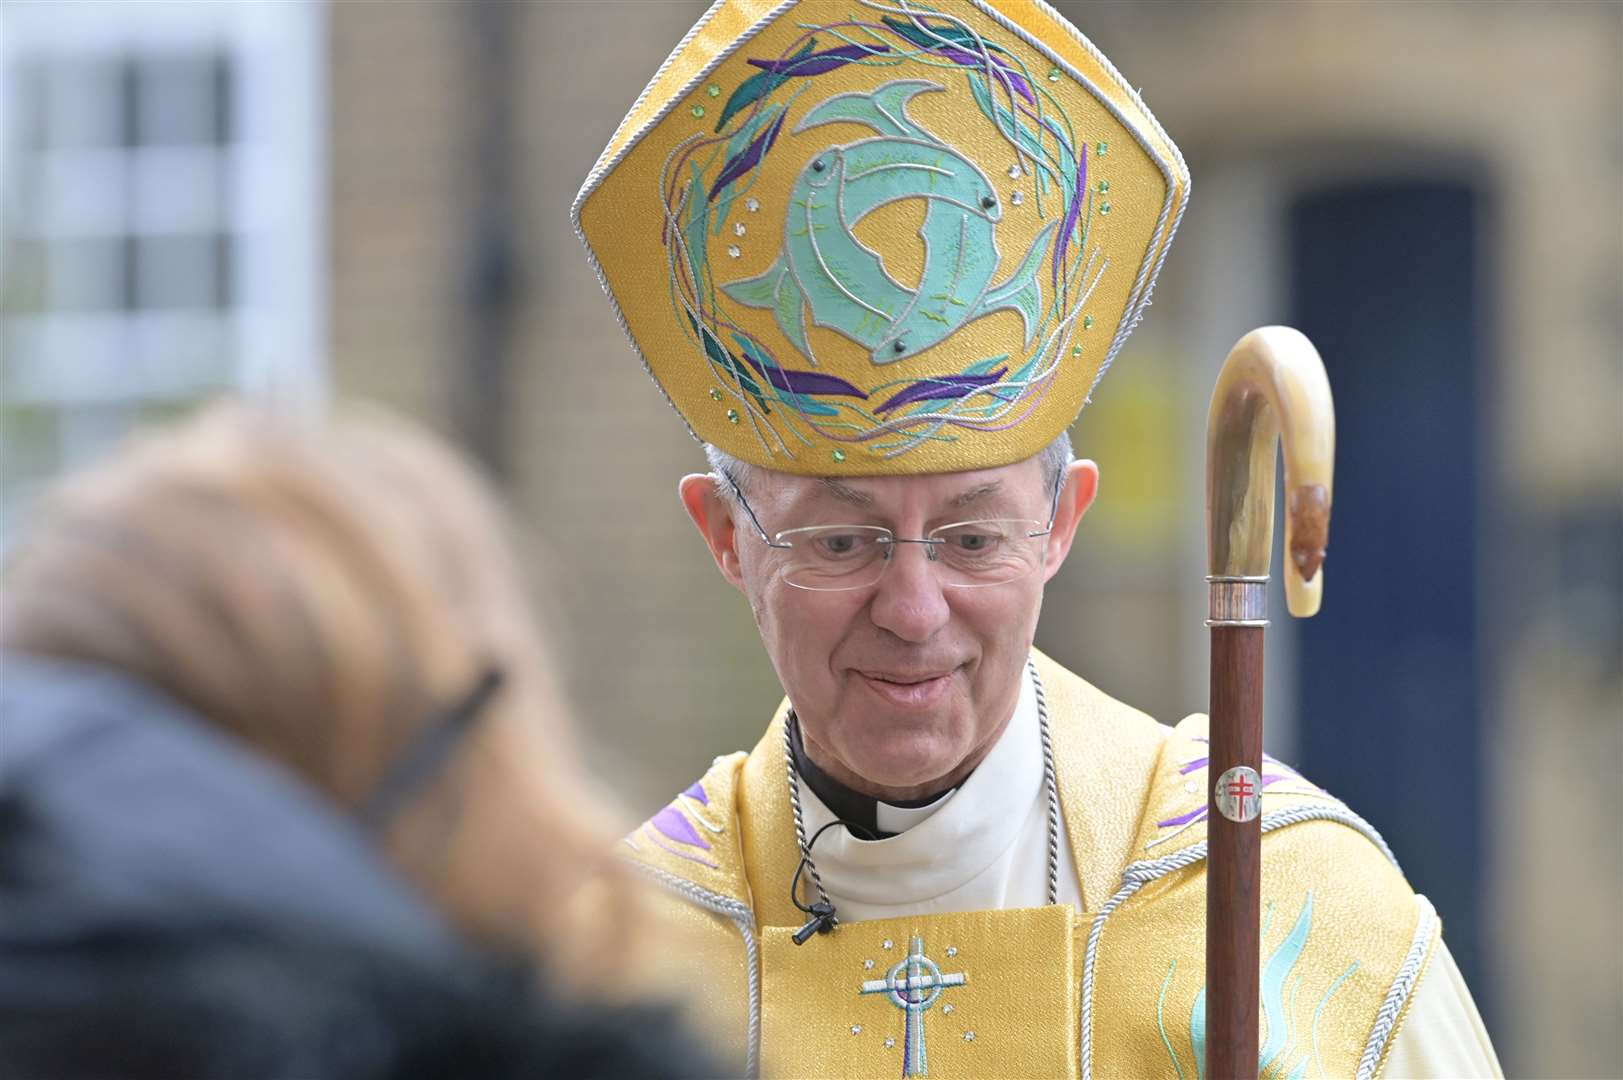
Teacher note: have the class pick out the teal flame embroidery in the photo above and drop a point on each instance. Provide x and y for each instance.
(1319, 1012)
(1278, 1008)
(1197, 1033)
(1160, 1022)
(1280, 965)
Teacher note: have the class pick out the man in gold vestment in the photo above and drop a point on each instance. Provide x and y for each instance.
(901, 242)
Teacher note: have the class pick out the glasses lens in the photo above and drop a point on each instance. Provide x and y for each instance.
(829, 557)
(975, 553)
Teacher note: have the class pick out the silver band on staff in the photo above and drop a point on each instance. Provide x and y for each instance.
(1237, 601)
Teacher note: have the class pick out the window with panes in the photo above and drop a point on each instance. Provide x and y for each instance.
(156, 227)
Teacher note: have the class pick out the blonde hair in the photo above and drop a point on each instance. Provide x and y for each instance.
(324, 594)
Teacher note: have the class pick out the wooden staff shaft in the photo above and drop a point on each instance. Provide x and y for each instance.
(1234, 871)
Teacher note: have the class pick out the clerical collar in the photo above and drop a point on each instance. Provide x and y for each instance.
(946, 862)
(882, 819)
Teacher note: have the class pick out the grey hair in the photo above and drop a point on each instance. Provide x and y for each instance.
(1054, 458)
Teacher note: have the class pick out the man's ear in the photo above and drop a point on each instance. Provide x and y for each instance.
(713, 517)
(1081, 487)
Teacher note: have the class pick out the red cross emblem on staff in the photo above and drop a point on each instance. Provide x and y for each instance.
(1238, 793)
(1240, 787)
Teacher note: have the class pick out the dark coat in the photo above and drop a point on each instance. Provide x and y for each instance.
(173, 905)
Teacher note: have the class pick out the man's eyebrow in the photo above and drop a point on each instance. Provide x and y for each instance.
(965, 498)
(848, 494)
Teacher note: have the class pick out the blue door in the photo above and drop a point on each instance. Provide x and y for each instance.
(1384, 280)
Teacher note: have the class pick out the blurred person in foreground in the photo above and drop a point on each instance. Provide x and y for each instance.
(902, 242)
(285, 788)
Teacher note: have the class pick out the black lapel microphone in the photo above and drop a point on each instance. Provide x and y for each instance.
(823, 919)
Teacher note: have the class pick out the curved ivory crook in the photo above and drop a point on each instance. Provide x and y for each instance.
(1272, 386)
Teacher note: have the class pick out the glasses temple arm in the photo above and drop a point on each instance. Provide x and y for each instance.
(1053, 511)
(739, 492)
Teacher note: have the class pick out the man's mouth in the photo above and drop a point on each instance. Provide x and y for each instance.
(908, 690)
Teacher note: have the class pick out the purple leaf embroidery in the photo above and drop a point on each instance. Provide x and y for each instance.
(820, 63)
(1069, 223)
(940, 386)
(696, 792)
(1182, 819)
(671, 822)
(679, 853)
(751, 156)
(804, 382)
(1000, 70)
(757, 86)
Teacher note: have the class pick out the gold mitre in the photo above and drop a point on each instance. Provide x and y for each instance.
(863, 237)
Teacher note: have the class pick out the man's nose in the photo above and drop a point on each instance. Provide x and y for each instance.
(910, 601)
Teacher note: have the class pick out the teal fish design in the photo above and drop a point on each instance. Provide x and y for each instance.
(822, 266)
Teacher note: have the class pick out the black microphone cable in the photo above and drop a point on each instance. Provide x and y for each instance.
(823, 919)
